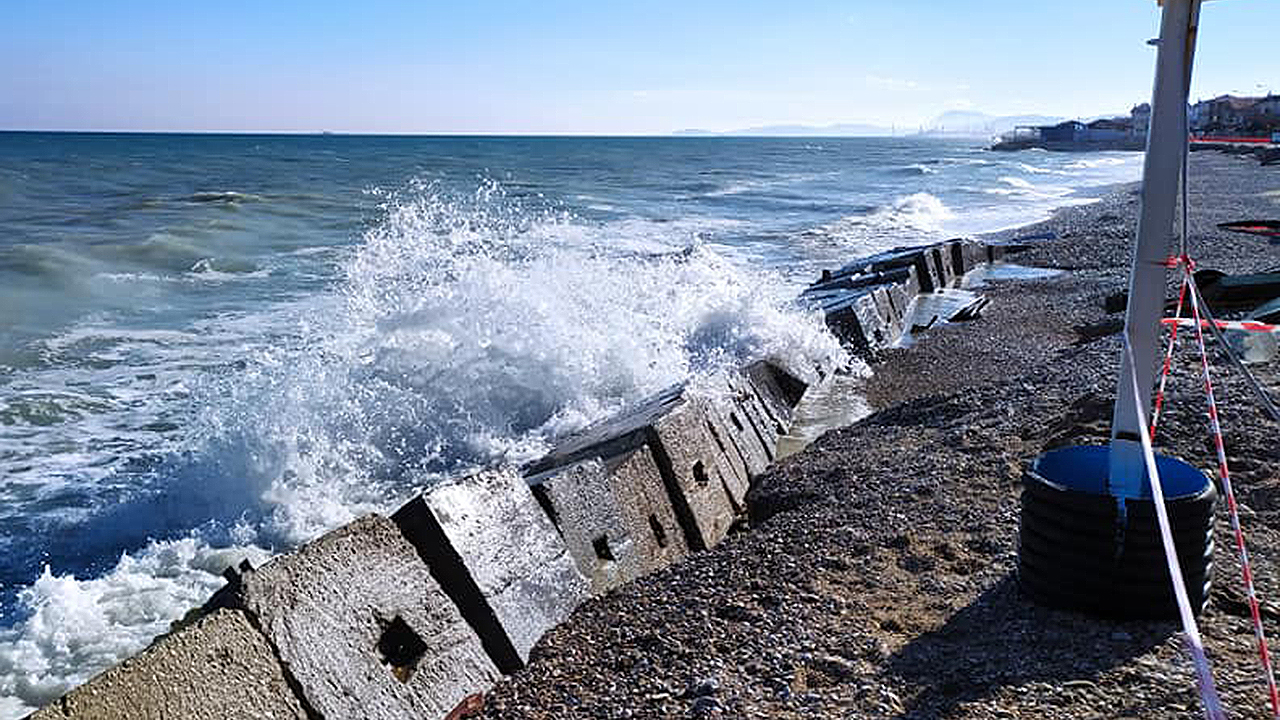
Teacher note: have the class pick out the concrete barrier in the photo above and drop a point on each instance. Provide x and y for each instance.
(215, 668)
(869, 309)
(733, 421)
(939, 259)
(761, 408)
(927, 278)
(614, 515)
(901, 295)
(778, 390)
(363, 628)
(855, 319)
(758, 437)
(696, 470)
(854, 277)
(966, 254)
(498, 557)
(707, 451)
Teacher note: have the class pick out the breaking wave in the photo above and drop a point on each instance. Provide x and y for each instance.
(466, 330)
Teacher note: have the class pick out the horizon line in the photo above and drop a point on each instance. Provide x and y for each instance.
(691, 133)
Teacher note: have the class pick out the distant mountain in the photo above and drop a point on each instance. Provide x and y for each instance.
(968, 122)
(835, 130)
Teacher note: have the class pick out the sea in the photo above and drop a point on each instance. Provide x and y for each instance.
(216, 347)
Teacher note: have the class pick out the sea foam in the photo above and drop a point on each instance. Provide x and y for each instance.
(465, 330)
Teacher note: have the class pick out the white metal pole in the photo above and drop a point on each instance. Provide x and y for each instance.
(1166, 145)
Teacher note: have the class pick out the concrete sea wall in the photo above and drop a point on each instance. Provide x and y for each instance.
(416, 615)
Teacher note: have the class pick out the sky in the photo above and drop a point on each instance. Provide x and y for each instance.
(619, 67)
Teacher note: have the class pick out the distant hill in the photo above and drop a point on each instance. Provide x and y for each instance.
(965, 123)
(835, 130)
(968, 122)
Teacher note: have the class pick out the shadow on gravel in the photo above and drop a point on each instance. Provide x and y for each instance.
(1003, 639)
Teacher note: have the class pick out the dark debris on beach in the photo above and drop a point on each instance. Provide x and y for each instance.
(877, 578)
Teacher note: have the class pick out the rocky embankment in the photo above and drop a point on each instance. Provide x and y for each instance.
(878, 577)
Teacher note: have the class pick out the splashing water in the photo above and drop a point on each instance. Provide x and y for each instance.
(466, 330)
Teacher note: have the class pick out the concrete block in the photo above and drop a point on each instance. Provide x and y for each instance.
(859, 278)
(926, 271)
(614, 516)
(940, 259)
(497, 555)
(778, 390)
(911, 283)
(972, 253)
(703, 471)
(856, 319)
(749, 429)
(891, 320)
(900, 296)
(844, 316)
(215, 668)
(697, 473)
(955, 250)
(363, 628)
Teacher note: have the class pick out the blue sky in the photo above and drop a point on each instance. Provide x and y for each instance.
(576, 67)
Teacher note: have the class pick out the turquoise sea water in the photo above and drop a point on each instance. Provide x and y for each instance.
(214, 347)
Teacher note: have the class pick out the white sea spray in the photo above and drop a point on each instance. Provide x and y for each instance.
(466, 330)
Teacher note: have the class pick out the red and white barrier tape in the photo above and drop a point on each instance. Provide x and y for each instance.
(1224, 474)
(1245, 325)
(1168, 357)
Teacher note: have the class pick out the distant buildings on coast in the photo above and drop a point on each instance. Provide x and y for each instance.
(1223, 116)
(1114, 133)
(1238, 116)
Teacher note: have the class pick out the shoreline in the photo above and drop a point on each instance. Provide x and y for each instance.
(877, 577)
(844, 399)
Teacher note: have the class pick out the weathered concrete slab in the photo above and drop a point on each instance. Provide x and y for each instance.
(926, 271)
(363, 628)
(499, 558)
(950, 305)
(614, 516)
(901, 296)
(966, 254)
(853, 319)
(890, 319)
(703, 472)
(939, 257)
(215, 668)
(698, 475)
(751, 435)
(858, 277)
(865, 320)
(779, 390)
(908, 285)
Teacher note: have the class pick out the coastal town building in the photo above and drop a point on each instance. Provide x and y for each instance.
(1225, 115)
(1114, 133)
(1236, 115)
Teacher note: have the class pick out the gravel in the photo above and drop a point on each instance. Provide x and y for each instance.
(877, 576)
